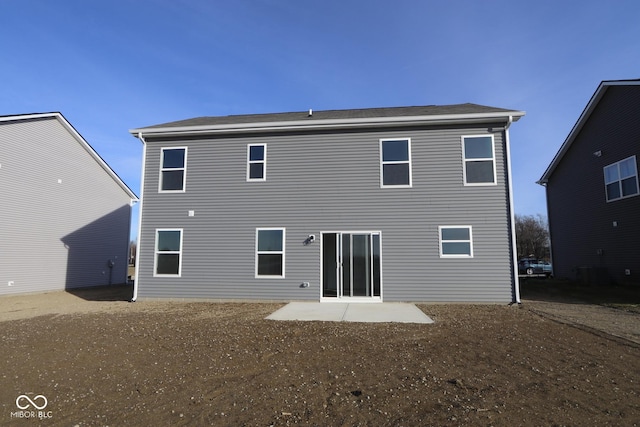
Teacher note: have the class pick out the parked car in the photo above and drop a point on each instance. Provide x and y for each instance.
(531, 266)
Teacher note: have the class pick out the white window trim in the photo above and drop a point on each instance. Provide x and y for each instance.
(382, 163)
(470, 241)
(493, 159)
(156, 252)
(635, 165)
(348, 299)
(250, 162)
(163, 169)
(282, 252)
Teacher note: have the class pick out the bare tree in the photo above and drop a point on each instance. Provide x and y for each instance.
(532, 236)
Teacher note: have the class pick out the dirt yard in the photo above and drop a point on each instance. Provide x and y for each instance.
(101, 361)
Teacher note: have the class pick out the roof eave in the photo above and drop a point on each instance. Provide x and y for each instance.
(80, 139)
(328, 124)
(593, 102)
(93, 153)
(19, 117)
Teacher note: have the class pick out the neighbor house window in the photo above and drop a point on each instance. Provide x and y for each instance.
(168, 261)
(270, 252)
(621, 179)
(257, 162)
(173, 169)
(479, 160)
(456, 241)
(395, 162)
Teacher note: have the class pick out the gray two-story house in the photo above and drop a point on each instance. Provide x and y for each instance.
(592, 190)
(382, 204)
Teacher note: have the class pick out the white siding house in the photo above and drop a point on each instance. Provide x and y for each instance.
(64, 213)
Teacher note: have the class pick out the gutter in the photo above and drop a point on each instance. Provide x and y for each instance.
(137, 270)
(325, 124)
(514, 254)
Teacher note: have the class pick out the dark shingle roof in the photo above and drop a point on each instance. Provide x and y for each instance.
(366, 113)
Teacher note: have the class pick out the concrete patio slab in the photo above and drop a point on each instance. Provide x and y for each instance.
(351, 312)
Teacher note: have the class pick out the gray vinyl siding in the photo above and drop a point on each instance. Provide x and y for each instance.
(57, 235)
(327, 182)
(580, 219)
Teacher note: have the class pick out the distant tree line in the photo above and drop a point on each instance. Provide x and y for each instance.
(532, 237)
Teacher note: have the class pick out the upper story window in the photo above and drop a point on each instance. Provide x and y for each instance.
(395, 162)
(621, 179)
(257, 162)
(168, 259)
(270, 252)
(173, 169)
(479, 160)
(456, 241)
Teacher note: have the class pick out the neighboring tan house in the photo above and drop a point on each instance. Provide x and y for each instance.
(393, 204)
(65, 215)
(592, 190)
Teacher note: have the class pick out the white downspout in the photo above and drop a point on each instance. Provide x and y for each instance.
(514, 251)
(132, 203)
(137, 271)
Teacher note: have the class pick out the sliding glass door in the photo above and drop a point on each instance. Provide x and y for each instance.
(351, 265)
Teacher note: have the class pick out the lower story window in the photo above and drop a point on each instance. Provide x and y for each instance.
(270, 245)
(456, 241)
(168, 259)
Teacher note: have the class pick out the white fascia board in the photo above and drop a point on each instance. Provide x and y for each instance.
(28, 116)
(328, 124)
(93, 154)
(63, 121)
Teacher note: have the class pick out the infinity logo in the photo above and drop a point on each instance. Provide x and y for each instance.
(23, 397)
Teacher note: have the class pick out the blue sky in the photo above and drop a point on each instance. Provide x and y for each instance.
(110, 66)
